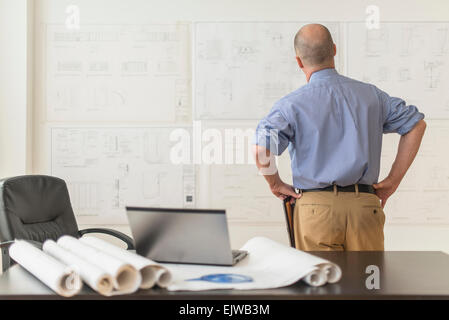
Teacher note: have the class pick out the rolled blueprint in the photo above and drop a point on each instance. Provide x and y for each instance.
(331, 270)
(95, 277)
(57, 276)
(315, 278)
(327, 272)
(125, 278)
(321, 271)
(152, 273)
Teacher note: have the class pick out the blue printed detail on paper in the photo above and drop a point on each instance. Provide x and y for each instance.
(224, 278)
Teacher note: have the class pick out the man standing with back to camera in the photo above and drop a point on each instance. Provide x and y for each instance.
(333, 127)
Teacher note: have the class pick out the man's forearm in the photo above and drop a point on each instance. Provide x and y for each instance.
(266, 164)
(273, 179)
(408, 147)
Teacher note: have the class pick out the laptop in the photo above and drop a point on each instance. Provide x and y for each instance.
(196, 236)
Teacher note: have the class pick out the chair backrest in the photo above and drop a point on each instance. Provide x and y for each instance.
(35, 207)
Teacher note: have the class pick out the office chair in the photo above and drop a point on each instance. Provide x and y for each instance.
(36, 208)
(289, 217)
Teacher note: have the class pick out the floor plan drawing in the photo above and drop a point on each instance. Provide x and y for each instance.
(116, 73)
(406, 60)
(426, 182)
(242, 68)
(107, 169)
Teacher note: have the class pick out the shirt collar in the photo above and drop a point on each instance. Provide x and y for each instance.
(323, 73)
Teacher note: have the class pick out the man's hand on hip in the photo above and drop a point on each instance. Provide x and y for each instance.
(265, 162)
(385, 188)
(283, 191)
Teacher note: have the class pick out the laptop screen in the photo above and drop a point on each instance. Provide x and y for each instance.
(181, 235)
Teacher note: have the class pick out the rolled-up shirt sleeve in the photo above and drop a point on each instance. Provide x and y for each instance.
(397, 116)
(274, 132)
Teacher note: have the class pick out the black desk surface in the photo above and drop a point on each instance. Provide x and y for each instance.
(403, 275)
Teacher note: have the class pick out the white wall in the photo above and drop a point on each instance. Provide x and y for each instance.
(15, 90)
(13, 76)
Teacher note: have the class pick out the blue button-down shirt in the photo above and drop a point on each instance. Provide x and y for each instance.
(333, 129)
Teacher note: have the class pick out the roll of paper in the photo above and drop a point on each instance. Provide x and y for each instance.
(95, 277)
(125, 278)
(151, 272)
(332, 271)
(315, 278)
(56, 275)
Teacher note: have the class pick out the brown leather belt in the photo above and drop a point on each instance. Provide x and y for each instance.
(351, 188)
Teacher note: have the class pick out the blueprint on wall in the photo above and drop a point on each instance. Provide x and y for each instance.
(242, 68)
(113, 74)
(245, 195)
(119, 73)
(108, 168)
(238, 187)
(408, 60)
(422, 196)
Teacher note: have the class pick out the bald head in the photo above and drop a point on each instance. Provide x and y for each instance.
(314, 45)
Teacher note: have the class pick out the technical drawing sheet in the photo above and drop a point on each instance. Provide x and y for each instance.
(235, 184)
(107, 169)
(242, 68)
(422, 195)
(119, 73)
(405, 59)
(244, 194)
(409, 60)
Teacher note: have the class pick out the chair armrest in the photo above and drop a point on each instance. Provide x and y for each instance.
(120, 235)
(6, 244)
(37, 244)
(6, 261)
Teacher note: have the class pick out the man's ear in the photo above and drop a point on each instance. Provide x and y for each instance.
(299, 62)
(335, 50)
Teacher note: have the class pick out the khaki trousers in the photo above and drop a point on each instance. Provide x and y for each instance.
(337, 221)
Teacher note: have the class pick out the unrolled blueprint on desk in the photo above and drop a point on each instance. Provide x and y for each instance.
(269, 265)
